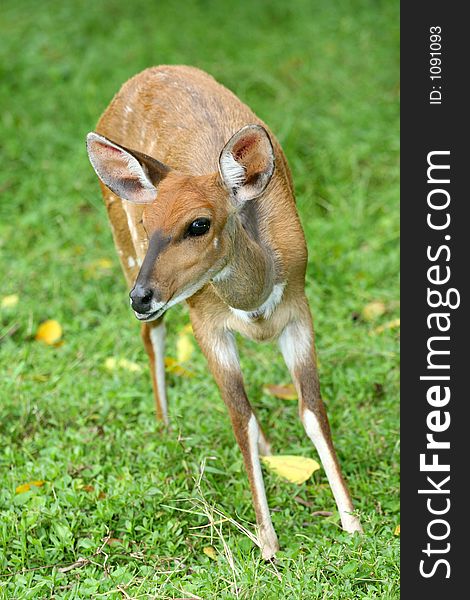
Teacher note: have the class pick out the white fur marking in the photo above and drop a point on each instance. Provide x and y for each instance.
(267, 535)
(188, 292)
(223, 274)
(241, 314)
(295, 343)
(225, 350)
(313, 428)
(128, 209)
(266, 309)
(130, 261)
(157, 337)
(130, 223)
(193, 288)
(232, 172)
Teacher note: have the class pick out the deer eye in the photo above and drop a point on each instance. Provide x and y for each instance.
(198, 227)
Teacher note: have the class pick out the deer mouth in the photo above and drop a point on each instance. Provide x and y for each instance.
(146, 317)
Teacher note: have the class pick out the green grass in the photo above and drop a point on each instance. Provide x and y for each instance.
(324, 76)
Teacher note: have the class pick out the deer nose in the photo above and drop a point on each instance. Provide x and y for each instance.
(141, 299)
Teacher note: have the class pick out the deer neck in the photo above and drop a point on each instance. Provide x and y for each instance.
(248, 277)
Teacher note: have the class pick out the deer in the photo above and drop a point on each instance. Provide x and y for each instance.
(201, 204)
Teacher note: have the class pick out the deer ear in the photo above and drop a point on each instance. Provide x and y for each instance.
(130, 174)
(246, 164)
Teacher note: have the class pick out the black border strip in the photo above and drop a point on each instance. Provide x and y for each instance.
(426, 128)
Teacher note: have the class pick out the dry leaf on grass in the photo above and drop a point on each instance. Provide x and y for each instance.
(25, 487)
(129, 365)
(295, 469)
(98, 267)
(10, 301)
(49, 332)
(42, 377)
(395, 324)
(103, 263)
(112, 363)
(285, 392)
(113, 540)
(174, 367)
(397, 530)
(373, 310)
(210, 552)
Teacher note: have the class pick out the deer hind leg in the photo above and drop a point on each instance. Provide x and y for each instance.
(153, 335)
(221, 353)
(264, 446)
(296, 343)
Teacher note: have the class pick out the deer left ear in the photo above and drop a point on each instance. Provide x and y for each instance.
(246, 163)
(130, 174)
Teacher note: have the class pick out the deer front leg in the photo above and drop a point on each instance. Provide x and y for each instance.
(296, 343)
(221, 353)
(153, 335)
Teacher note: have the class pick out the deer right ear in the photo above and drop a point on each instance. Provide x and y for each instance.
(246, 164)
(130, 174)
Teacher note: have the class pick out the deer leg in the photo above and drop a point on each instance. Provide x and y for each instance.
(264, 447)
(296, 343)
(221, 353)
(153, 335)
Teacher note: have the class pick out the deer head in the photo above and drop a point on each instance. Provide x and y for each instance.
(185, 217)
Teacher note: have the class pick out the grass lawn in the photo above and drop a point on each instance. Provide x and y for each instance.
(127, 509)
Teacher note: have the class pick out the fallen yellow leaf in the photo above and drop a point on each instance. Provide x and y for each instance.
(210, 552)
(395, 324)
(40, 377)
(78, 250)
(373, 310)
(296, 469)
(184, 348)
(102, 263)
(130, 366)
(25, 487)
(10, 301)
(174, 367)
(285, 392)
(112, 363)
(49, 332)
(397, 530)
(98, 267)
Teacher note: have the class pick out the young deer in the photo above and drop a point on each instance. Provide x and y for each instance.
(214, 224)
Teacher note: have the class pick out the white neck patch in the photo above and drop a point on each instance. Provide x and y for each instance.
(266, 309)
